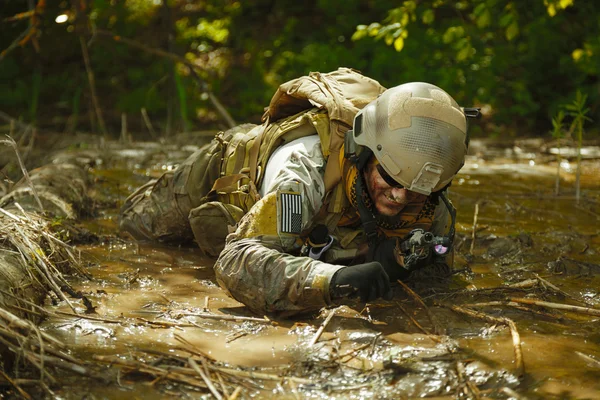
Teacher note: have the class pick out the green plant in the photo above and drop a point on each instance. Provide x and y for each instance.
(578, 110)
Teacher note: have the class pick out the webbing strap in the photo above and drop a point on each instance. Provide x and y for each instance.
(227, 184)
(254, 150)
(366, 216)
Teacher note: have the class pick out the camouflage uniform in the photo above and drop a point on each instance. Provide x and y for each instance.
(260, 264)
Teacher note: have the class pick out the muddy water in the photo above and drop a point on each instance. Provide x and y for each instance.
(522, 228)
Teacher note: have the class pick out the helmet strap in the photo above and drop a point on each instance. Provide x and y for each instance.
(452, 211)
(367, 218)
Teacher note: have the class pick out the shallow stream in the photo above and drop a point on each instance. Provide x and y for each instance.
(146, 297)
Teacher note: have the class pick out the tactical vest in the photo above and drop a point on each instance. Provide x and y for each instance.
(325, 103)
(321, 103)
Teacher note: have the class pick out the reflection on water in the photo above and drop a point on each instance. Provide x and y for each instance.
(522, 229)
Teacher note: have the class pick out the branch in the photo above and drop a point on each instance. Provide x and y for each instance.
(192, 67)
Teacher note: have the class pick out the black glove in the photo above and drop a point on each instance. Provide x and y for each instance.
(385, 252)
(369, 280)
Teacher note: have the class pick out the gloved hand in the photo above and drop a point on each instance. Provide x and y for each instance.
(370, 281)
(388, 254)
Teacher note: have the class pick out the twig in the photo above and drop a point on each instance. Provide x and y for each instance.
(13, 144)
(191, 348)
(558, 306)
(418, 299)
(558, 290)
(589, 359)
(513, 305)
(15, 385)
(516, 339)
(14, 321)
(205, 378)
(124, 128)
(475, 214)
(470, 389)
(215, 316)
(526, 284)
(145, 368)
(148, 123)
(4, 116)
(235, 393)
(414, 321)
(92, 83)
(192, 67)
(322, 328)
(511, 393)
(352, 353)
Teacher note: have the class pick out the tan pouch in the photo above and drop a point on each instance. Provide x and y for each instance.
(211, 223)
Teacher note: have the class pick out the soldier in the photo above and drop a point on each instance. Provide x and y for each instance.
(340, 191)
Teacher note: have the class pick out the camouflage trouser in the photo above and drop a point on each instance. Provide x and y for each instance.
(159, 210)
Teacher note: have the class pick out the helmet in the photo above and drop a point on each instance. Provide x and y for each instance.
(418, 134)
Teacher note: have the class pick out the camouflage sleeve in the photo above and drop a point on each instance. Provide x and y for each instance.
(257, 266)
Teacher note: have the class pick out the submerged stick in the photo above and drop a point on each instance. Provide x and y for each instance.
(558, 306)
(475, 214)
(418, 299)
(513, 305)
(516, 338)
(322, 328)
(559, 290)
(412, 319)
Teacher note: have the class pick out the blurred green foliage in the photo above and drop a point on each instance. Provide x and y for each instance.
(519, 60)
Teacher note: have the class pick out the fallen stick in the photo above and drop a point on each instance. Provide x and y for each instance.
(412, 319)
(513, 305)
(322, 328)
(418, 299)
(470, 389)
(149, 369)
(205, 378)
(526, 284)
(559, 290)
(516, 338)
(214, 316)
(558, 306)
(589, 359)
(475, 214)
(23, 393)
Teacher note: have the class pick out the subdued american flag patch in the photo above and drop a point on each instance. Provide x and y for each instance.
(291, 213)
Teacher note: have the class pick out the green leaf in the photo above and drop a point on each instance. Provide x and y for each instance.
(359, 34)
(464, 53)
(484, 19)
(506, 19)
(399, 43)
(428, 17)
(389, 39)
(512, 31)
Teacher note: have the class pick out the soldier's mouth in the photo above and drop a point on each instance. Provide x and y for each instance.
(393, 200)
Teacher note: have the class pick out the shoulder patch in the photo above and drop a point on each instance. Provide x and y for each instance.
(290, 207)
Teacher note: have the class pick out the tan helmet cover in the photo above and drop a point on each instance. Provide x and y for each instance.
(417, 132)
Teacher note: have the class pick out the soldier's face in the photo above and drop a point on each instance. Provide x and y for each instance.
(389, 201)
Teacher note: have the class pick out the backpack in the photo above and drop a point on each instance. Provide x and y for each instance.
(321, 102)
